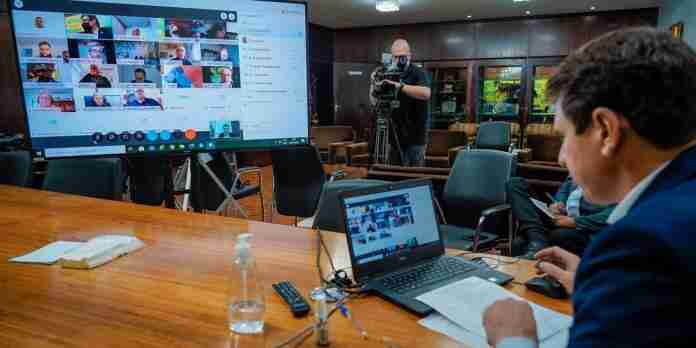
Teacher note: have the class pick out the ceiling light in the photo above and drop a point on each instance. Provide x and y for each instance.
(468, 17)
(520, 0)
(387, 5)
(528, 12)
(592, 8)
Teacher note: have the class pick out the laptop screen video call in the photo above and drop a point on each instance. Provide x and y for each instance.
(383, 224)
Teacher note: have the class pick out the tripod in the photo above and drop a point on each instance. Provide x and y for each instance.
(385, 129)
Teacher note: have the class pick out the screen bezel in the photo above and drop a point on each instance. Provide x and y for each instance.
(391, 263)
(40, 152)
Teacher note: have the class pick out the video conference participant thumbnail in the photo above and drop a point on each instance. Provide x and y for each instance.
(94, 51)
(179, 53)
(37, 24)
(45, 73)
(225, 130)
(144, 76)
(137, 28)
(50, 99)
(95, 75)
(182, 76)
(99, 99)
(221, 76)
(88, 26)
(141, 98)
(44, 48)
(134, 52)
(198, 29)
(219, 53)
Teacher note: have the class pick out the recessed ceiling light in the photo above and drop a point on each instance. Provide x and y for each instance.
(592, 8)
(528, 12)
(387, 5)
(468, 17)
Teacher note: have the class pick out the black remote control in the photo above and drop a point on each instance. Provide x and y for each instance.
(298, 305)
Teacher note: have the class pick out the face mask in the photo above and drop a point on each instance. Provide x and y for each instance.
(402, 63)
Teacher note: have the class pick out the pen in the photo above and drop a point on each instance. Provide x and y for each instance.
(346, 313)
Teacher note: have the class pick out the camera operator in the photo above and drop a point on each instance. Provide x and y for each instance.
(410, 119)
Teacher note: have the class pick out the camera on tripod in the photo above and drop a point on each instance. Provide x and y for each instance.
(381, 89)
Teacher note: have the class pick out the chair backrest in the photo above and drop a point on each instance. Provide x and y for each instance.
(298, 179)
(477, 182)
(325, 135)
(211, 194)
(329, 216)
(494, 136)
(98, 178)
(16, 168)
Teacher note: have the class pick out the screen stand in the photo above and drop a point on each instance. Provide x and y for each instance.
(191, 170)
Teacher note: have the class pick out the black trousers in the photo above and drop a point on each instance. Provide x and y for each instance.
(538, 228)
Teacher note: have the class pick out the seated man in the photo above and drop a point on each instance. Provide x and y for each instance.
(576, 219)
(625, 107)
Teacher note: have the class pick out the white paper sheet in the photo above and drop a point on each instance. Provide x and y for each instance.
(49, 254)
(542, 206)
(438, 323)
(465, 301)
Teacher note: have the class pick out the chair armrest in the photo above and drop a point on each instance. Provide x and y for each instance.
(355, 149)
(495, 210)
(482, 219)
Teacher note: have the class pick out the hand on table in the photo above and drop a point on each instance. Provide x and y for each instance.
(559, 264)
(509, 318)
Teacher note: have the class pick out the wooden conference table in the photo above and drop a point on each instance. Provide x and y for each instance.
(173, 292)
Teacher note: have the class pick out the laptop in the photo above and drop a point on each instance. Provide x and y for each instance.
(396, 247)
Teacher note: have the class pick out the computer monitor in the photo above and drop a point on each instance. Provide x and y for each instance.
(116, 77)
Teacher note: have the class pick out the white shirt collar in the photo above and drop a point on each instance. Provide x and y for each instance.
(629, 201)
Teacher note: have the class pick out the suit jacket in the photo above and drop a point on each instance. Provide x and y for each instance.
(632, 284)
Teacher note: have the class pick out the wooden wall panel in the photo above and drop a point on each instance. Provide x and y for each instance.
(3, 6)
(502, 39)
(321, 44)
(11, 114)
(452, 41)
(353, 45)
(548, 37)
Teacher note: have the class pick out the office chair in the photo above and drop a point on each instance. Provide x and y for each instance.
(329, 216)
(219, 184)
(16, 168)
(298, 180)
(474, 193)
(494, 136)
(97, 178)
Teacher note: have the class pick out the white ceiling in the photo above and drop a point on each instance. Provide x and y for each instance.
(360, 13)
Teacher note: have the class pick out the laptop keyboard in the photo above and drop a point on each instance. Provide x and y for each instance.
(426, 274)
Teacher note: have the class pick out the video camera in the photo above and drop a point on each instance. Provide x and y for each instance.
(388, 71)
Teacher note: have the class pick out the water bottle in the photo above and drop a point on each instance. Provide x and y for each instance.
(246, 303)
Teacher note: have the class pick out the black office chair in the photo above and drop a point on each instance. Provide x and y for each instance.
(329, 216)
(98, 178)
(212, 197)
(474, 193)
(298, 180)
(494, 136)
(16, 168)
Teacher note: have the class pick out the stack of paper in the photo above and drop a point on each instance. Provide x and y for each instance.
(461, 305)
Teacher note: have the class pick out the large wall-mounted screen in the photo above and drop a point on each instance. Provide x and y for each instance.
(113, 77)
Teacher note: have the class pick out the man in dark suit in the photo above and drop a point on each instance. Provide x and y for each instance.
(626, 110)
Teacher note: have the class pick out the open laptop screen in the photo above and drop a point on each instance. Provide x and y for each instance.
(392, 223)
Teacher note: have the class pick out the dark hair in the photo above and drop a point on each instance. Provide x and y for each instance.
(641, 73)
(44, 43)
(141, 70)
(92, 17)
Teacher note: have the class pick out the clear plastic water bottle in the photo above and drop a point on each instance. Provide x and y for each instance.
(246, 302)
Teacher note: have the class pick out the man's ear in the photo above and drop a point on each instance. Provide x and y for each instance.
(607, 130)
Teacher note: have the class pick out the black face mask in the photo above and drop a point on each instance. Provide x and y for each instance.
(402, 63)
(87, 27)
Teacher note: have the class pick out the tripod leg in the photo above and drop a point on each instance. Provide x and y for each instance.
(397, 143)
